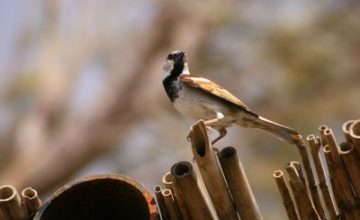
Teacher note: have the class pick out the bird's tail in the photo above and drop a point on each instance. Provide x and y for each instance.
(280, 131)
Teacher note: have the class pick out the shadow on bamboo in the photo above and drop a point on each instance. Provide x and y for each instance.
(109, 196)
(239, 185)
(211, 172)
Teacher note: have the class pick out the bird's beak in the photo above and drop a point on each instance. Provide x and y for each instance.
(181, 57)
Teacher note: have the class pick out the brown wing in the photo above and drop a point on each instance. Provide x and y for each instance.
(211, 88)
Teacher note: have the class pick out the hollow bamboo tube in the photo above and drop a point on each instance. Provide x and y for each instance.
(185, 177)
(332, 144)
(342, 188)
(310, 176)
(285, 195)
(239, 185)
(346, 130)
(10, 204)
(352, 163)
(211, 172)
(31, 200)
(314, 144)
(304, 205)
(355, 135)
(170, 204)
(160, 200)
(169, 183)
(322, 129)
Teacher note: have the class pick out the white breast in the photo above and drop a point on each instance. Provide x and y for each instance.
(197, 105)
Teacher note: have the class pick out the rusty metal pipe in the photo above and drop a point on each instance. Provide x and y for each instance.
(109, 196)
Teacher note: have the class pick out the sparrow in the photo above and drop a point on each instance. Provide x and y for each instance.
(199, 98)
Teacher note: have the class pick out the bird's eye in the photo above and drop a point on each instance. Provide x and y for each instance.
(170, 57)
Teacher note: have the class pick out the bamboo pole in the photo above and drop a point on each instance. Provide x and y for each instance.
(239, 185)
(346, 130)
(285, 195)
(170, 204)
(355, 135)
(169, 183)
(211, 172)
(161, 203)
(10, 204)
(31, 200)
(185, 177)
(315, 144)
(304, 205)
(322, 129)
(310, 176)
(352, 163)
(342, 188)
(333, 147)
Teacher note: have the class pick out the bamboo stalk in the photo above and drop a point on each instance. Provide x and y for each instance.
(170, 204)
(211, 172)
(355, 135)
(346, 130)
(352, 163)
(31, 200)
(185, 177)
(314, 143)
(161, 203)
(285, 195)
(322, 129)
(342, 188)
(310, 176)
(10, 204)
(169, 183)
(304, 205)
(239, 185)
(331, 142)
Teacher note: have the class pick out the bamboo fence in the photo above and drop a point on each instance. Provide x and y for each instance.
(324, 185)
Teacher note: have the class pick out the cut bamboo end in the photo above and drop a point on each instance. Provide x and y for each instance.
(331, 142)
(10, 203)
(168, 181)
(31, 200)
(161, 202)
(210, 172)
(170, 204)
(285, 195)
(322, 129)
(185, 178)
(238, 184)
(346, 130)
(355, 135)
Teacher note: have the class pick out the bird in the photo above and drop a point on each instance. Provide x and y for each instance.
(200, 98)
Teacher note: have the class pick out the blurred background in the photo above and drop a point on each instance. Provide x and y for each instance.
(81, 90)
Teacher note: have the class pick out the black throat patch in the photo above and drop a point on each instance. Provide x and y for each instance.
(170, 81)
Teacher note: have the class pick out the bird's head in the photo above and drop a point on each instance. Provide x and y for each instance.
(176, 64)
